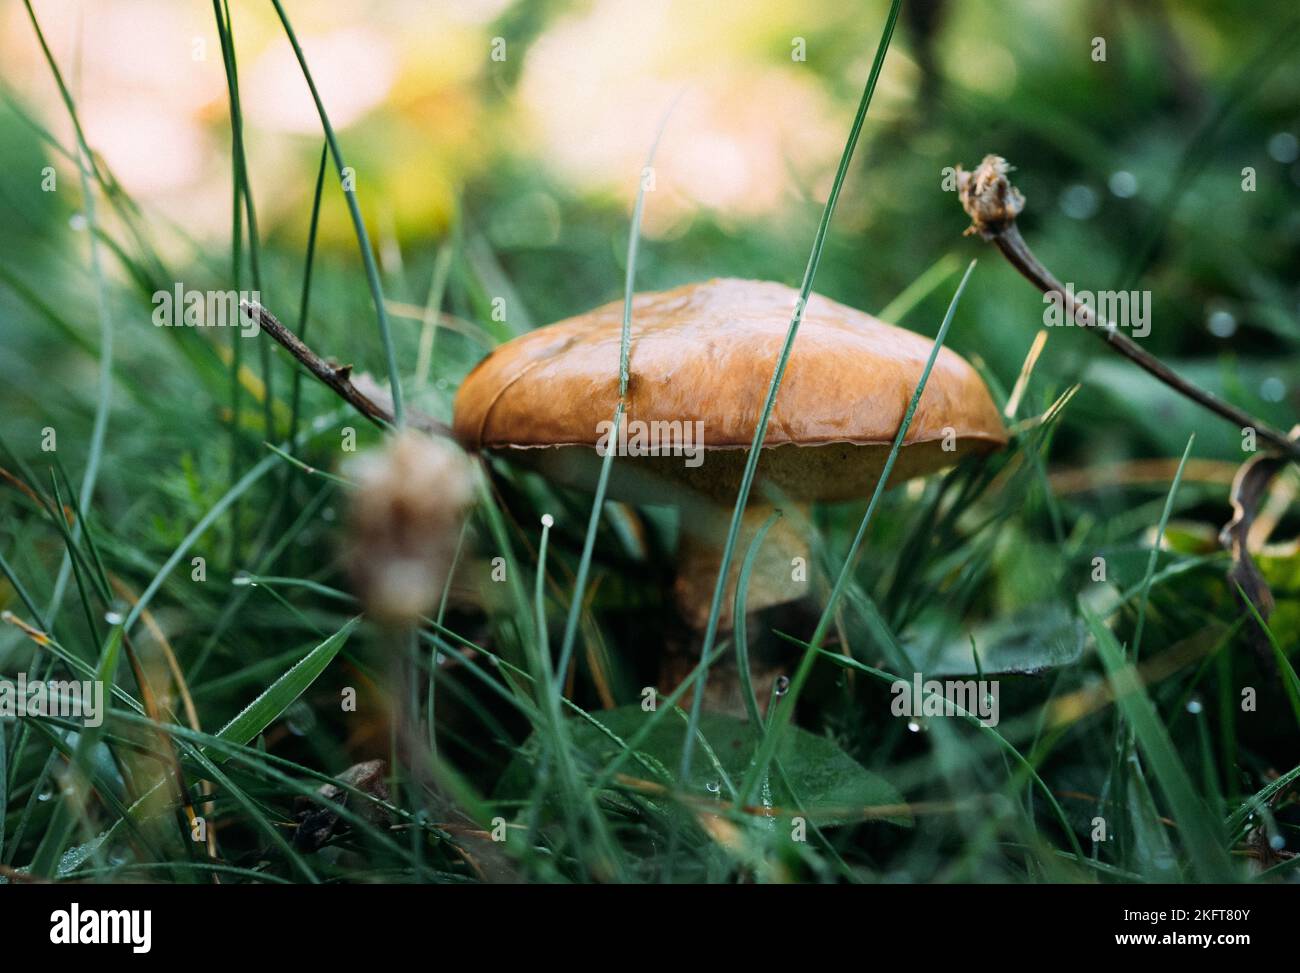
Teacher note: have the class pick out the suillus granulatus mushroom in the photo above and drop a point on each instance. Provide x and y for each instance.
(701, 360)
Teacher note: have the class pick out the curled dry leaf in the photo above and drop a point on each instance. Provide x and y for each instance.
(316, 822)
(1249, 489)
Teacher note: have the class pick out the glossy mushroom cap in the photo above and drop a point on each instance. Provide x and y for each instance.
(705, 353)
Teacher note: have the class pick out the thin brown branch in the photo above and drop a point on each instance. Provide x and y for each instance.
(993, 205)
(337, 377)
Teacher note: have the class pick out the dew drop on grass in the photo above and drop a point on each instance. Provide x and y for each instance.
(243, 580)
(1221, 323)
(1123, 184)
(714, 787)
(117, 612)
(1277, 842)
(781, 686)
(914, 726)
(300, 719)
(1194, 706)
(1079, 202)
(1284, 147)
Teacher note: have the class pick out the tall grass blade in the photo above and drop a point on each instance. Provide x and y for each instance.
(760, 431)
(781, 718)
(359, 224)
(269, 705)
(1201, 835)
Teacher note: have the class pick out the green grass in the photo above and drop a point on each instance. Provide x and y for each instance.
(515, 710)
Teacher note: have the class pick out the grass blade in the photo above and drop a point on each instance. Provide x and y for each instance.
(1155, 548)
(363, 238)
(781, 718)
(267, 707)
(1201, 834)
(760, 431)
(624, 352)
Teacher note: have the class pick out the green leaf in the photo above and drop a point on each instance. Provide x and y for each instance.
(1032, 641)
(1201, 834)
(832, 787)
(76, 786)
(263, 711)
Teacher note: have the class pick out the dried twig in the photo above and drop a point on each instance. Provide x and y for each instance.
(993, 205)
(337, 377)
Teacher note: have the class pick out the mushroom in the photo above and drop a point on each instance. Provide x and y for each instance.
(700, 364)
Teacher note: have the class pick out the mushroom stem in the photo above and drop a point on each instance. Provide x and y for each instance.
(993, 205)
(779, 575)
(780, 569)
(723, 691)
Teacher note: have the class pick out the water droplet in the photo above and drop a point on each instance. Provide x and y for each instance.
(1272, 389)
(548, 520)
(300, 719)
(45, 794)
(1277, 842)
(78, 222)
(914, 726)
(1284, 147)
(328, 513)
(1079, 202)
(769, 812)
(1194, 706)
(714, 787)
(1221, 324)
(113, 618)
(243, 579)
(1123, 184)
(781, 686)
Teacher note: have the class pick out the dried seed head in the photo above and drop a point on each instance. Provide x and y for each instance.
(405, 518)
(988, 197)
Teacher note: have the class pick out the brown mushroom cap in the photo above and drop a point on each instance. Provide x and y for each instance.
(706, 352)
